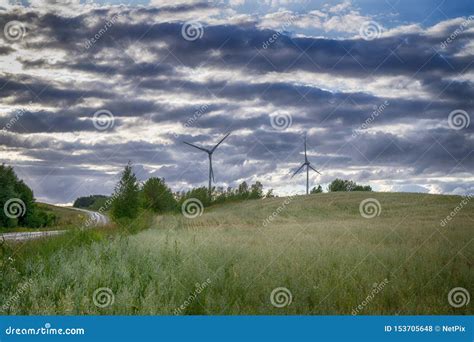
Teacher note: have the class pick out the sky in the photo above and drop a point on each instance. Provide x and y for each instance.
(383, 91)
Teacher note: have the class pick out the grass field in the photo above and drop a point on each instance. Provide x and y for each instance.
(319, 248)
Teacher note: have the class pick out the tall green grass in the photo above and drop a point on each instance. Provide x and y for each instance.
(318, 247)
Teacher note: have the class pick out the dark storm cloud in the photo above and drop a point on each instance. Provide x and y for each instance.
(405, 54)
(5, 50)
(27, 89)
(238, 47)
(459, 92)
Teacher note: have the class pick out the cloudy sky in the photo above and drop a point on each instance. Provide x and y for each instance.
(383, 90)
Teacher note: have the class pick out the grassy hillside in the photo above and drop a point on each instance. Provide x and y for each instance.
(230, 260)
(66, 216)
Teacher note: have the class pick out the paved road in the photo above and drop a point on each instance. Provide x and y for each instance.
(95, 219)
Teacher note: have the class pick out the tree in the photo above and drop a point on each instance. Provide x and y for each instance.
(21, 210)
(158, 196)
(25, 194)
(7, 192)
(198, 193)
(347, 185)
(93, 202)
(256, 190)
(269, 194)
(316, 190)
(338, 185)
(243, 190)
(126, 196)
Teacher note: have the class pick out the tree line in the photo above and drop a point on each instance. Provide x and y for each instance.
(130, 197)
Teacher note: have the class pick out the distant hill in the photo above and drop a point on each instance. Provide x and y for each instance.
(93, 202)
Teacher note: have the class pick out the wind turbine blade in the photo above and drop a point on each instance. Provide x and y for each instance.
(220, 142)
(200, 148)
(312, 168)
(298, 170)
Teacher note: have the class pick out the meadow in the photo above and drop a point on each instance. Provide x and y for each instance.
(317, 255)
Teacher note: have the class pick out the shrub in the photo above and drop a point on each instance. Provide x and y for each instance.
(316, 190)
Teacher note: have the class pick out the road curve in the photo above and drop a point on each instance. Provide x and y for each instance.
(95, 220)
